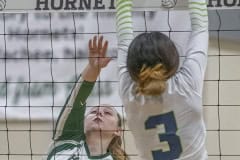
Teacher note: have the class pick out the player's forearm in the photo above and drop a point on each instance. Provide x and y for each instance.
(194, 65)
(124, 29)
(198, 14)
(90, 73)
(124, 20)
(70, 121)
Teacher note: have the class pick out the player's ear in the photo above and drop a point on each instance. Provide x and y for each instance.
(118, 132)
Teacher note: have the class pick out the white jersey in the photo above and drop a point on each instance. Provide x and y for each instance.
(169, 126)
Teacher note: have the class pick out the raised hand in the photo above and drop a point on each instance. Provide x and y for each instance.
(97, 52)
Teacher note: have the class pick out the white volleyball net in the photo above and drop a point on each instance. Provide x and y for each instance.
(44, 47)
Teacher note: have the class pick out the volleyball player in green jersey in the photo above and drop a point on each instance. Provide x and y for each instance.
(96, 136)
(163, 101)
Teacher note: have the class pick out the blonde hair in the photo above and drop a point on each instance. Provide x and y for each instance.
(115, 146)
(116, 150)
(152, 81)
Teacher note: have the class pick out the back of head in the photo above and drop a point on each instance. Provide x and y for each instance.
(152, 60)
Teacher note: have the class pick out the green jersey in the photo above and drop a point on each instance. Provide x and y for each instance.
(69, 139)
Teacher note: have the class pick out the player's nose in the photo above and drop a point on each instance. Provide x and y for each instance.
(100, 112)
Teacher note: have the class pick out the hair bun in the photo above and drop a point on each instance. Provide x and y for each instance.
(152, 81)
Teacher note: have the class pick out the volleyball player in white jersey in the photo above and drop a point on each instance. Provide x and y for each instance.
(163, 101)
(96, 136)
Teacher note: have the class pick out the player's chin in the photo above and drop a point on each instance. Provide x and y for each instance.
(95, 127)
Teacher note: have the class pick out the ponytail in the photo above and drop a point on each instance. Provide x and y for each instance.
(115, 146)
(116, 150)
(152, 81)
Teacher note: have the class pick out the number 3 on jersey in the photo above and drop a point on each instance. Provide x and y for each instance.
(173, 140)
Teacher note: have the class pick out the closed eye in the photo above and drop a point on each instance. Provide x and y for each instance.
(93, 112)
(108, 112)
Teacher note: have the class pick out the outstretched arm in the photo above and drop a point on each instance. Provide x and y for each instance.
(70, 121)
(124, 37)
(195, 63)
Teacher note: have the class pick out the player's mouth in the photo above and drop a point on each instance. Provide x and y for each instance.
(97, 120)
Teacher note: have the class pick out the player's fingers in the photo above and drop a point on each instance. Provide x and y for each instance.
(104, 49)
(92, 51)
(95, 42)
(100, 43)
(90, 44)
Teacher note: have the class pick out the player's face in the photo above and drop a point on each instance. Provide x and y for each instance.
(102, 118)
